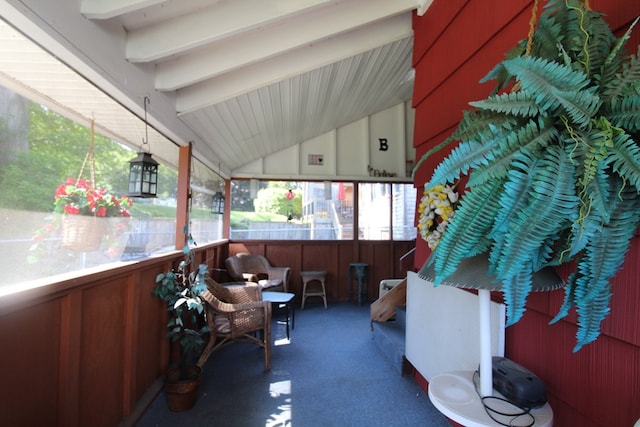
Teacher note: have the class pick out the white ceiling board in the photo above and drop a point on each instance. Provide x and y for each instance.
(288, 65)
(241, 80)
(254, 46)
(101, 9)
(217, 22)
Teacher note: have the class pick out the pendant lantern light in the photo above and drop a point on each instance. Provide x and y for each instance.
(143, 170)
(217, 203)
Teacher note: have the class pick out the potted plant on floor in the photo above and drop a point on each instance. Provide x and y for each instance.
(180, 288)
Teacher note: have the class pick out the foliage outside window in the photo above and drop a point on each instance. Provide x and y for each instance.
(41, 152)
(279, 210)
(205, 226)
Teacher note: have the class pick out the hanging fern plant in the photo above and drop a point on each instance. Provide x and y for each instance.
(553, 165)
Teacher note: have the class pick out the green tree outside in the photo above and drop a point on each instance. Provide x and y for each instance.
(273, 199)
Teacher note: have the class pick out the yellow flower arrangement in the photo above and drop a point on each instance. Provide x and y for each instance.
(436, 209)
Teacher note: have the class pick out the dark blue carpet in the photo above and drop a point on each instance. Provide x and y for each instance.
(330, 373)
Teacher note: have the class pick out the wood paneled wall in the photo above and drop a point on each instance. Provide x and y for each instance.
(89, 350)
(83, 351)
(333, 256)
(456, 43)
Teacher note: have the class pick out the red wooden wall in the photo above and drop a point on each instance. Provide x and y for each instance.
(456, 43)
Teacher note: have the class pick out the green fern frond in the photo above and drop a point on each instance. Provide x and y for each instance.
(625, 158)
(466, 233)
(569, 298)
(519, 103)
(501, 76)
(533, 137)
(598, 145)
(515, 290)
(590, 318)
(474, 153)
(605, 253)
(581, 106)
(459, 161)
(601, 41)
(625, 113)
(476, 123)
(471, 127)
(597, 191)
(556, 85)
(616, 84)
(550, 185)
(540, 75)
(514, 197)
(601, 260)
(546, 37)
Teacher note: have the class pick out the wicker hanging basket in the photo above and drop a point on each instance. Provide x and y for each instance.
(82, 233)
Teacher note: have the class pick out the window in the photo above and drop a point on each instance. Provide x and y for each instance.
(42, 154)
(386, 211)
(289, 210)
(205, 224)
(43, 144)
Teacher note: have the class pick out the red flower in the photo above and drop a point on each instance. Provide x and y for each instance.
(101, 211)
(61, 191)
(71, 210)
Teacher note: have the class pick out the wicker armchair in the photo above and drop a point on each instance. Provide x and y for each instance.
(236, 312)
(256, 268)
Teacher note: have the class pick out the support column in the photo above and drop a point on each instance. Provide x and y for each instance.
(184, 193)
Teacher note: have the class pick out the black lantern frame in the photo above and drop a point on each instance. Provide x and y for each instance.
(143, 170)
(217, 203)
(143, 176)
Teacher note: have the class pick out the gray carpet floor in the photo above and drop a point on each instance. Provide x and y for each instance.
(329, 373)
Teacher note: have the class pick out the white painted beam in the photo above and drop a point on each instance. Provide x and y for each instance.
(423, 5)
(106, 9)
(224, 87)
(224, 19)
(250, 48)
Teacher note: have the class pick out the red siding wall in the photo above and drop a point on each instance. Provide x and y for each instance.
(456, 43)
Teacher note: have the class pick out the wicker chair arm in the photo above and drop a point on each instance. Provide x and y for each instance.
(280, 273)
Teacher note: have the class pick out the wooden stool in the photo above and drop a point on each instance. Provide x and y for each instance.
(309, 276)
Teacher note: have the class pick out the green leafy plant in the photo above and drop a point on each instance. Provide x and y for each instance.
(79, 197)
(180, 288)
(553, 165)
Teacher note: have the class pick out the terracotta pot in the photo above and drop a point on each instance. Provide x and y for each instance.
(182, 392)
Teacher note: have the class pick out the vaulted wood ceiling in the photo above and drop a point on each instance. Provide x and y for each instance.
(249, 78)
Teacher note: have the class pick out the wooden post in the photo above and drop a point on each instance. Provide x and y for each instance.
(184, 193)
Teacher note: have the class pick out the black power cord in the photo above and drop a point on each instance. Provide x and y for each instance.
(516, 415)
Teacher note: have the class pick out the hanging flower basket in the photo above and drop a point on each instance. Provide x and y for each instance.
(82, 233)
(88, 214)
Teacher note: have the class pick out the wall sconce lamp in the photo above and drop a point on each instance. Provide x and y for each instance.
(143, 170)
